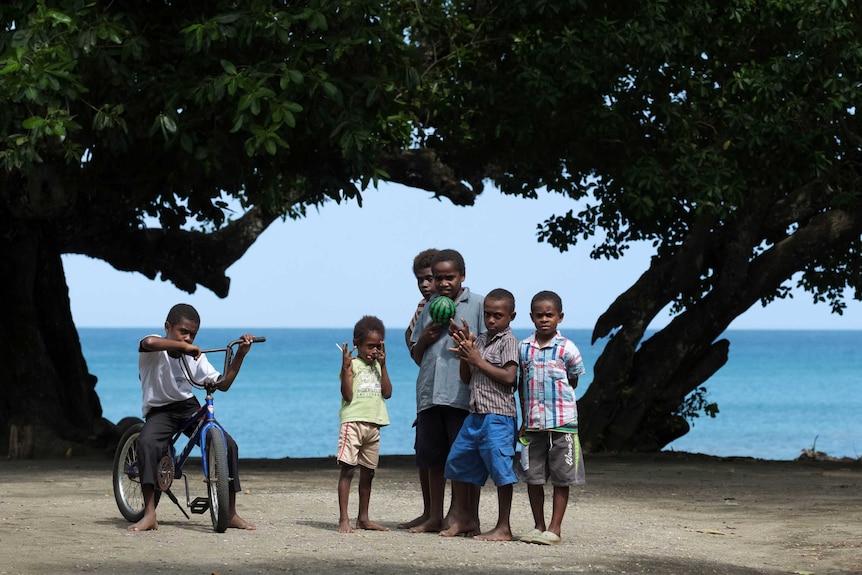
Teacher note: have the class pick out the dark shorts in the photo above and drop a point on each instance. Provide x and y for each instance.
(162, 423)
(436, 430)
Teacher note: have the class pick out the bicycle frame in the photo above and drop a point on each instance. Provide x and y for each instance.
(203, 420)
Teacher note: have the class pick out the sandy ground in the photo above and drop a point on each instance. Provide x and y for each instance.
(662, 514)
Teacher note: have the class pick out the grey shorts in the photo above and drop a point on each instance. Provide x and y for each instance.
(551, 455)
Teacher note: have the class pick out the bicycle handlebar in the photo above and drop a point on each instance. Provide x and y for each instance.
(228, 359)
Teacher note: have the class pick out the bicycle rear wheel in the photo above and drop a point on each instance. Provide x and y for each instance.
(127, 479)
(217, 480)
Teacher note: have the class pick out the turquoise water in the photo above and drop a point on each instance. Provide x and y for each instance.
(779, 393)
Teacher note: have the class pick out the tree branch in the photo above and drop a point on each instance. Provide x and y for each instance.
(185, 258)
(423, 169)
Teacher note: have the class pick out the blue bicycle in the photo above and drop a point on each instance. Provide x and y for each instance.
(204, 431)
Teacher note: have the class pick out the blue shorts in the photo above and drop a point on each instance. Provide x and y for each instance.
(484, 447)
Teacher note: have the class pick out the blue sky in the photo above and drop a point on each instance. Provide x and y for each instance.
(343, 262)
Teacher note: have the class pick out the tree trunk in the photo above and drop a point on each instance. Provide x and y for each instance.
(637, 390)
(44, 381)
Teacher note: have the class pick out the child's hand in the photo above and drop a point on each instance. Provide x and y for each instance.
(465, 347)
(468, 351)
(381, 355)
(347, 356)
(192, 350)
(457, 340)
(431, 332)
(464, 329)
(245, 344)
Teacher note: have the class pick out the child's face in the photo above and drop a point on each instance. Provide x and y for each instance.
(546, 317)
(425, 282)
(369, 347)
(183, 330)
(448, 279)
(498, 314)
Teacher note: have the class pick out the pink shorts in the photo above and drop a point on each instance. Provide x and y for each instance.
(359, 444)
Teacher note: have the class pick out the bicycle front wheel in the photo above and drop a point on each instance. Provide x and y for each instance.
(217, 479)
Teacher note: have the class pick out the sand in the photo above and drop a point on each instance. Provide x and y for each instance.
(663, 514)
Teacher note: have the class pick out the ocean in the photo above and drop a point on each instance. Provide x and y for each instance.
(779, 393)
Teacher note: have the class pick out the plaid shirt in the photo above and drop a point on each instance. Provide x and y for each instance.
(548, 399)
(486, 394)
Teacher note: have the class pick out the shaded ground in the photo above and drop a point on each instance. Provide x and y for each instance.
(657, 514)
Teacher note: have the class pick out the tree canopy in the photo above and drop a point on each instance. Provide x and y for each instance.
(725, 133)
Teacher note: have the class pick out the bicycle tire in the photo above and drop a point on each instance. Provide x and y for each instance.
(218, 480)
(126, 476)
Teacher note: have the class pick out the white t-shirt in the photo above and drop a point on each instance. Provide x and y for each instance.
(164, 381)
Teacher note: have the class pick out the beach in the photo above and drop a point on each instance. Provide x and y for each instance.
(666, 513)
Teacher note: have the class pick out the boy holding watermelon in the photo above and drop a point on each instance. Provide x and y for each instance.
(442, 400)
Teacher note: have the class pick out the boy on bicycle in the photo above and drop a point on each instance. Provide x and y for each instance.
(168, 401)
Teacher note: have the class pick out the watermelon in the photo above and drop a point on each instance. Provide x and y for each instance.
(441, 309)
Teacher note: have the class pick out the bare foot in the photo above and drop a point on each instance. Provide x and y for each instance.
(370, 525)
(344, 526)
(237, 522)
(428, 526)
(145, 524)
(413, 523)
(459, 528)
(496, 534)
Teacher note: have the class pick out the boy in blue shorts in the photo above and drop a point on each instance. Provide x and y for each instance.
(486, 444)
(550, 366)
(365, 385)
(442, 401)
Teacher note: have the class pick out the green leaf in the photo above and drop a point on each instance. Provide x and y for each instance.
(228, 67)
(9, 66)
(168, 124)
(295, 76)
(330, 89)
(33, 122)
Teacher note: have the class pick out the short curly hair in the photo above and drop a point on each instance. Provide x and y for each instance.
(183, 311)
(500, 294)
(366, 326)
(547, 296)
(423, 260)
(450, 256)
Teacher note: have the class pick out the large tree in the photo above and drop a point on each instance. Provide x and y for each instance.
(723, 132)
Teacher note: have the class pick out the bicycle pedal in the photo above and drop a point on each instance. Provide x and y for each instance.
(199, 505)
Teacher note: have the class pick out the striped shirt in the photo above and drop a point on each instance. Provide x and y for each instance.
(486, 394)
(549, 400)
(413, 321)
